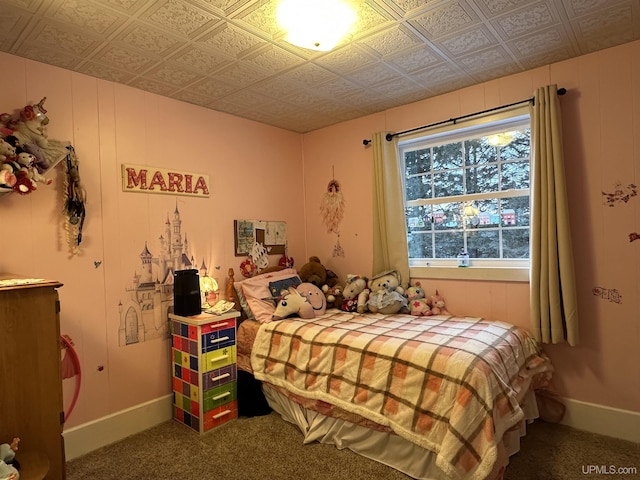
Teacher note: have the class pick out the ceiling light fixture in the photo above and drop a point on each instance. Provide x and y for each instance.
(315, 24)
(500, 139)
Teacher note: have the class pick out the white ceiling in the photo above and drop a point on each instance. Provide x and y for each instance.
(229, 55)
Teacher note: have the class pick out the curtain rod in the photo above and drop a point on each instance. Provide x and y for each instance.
(389, 136)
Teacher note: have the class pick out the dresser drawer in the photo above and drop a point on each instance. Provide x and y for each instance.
(220, 415)
(219, 396)
(218, 377)
(218, 358)
(217, 339)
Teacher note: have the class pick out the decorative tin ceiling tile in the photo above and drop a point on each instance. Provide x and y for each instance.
(372, 75)
(409, 6)
(580, 7)
(86, 15)
(345, 59)
(613, 19)
(201, 60)
(213, 88)
(240, 74)
(12, 23)
(149, 39)
(180, 17)
(391, 41)
(247, 99)
(469, 41)
(339, 87)
(152, 86)
(526, 20)
(273, 59)
(44, 54)
(435, 75)
(494, 7)
(369, 17)
(415, 59)
(231, 40)
(547, 58)
(606, 41)
(261, 18)
(172, 74)
(484, 60)
(128, 6)
(105, 72)
(398, 87)
(64, 39)
(308, 74)
(550, 39)
(190, 96)
(304, 98)
(124, 58)
(28, 5)
(445, 20)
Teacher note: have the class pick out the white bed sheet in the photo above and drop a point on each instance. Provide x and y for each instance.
(392, 450)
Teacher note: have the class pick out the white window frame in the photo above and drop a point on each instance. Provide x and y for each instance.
(510, 270)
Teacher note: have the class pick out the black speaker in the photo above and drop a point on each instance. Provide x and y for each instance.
(186, 293)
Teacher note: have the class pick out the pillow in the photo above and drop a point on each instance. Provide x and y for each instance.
(257, 293)
(237, 286)
(278, 286)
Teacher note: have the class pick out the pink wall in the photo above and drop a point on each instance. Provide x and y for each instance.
(601, 116)
(108, 124)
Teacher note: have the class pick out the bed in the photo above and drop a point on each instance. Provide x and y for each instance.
(438, 397)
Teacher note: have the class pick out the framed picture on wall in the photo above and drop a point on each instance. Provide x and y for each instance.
(271, 234)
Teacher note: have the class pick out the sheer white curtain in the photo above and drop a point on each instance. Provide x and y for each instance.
(554, 310)
(390, 250)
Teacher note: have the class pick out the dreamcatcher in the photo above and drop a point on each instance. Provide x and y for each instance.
(74, 200)
(332, 210)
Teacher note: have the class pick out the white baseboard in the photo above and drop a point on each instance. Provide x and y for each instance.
(85, 438)
(603, 420)
(90, 436)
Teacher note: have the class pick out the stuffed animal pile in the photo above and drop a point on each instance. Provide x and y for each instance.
(25, 149)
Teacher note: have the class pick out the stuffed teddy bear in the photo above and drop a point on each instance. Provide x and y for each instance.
(333, 295)
(437, 305)
(7, 458)
(313, 272)
(355, 294)
(416, 301)
(386, 293)
(28, 162)
(7, 151)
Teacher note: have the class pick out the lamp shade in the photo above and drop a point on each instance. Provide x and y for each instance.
(315, 24)
(208, 284)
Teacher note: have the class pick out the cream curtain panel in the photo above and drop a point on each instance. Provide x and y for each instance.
(390, 250)
(554, 311)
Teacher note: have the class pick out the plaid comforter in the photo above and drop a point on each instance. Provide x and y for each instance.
(451, 385)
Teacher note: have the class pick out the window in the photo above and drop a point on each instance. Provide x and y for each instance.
(466, 189)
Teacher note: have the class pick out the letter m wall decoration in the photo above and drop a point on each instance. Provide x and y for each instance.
(145, 179)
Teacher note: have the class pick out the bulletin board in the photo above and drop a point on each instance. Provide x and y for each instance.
(271, 234)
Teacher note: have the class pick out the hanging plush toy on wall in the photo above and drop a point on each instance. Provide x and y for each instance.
(332, 210)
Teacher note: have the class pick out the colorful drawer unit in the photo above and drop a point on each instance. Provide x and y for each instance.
(204, 369)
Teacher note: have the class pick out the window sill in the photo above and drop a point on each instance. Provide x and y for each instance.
(500, 274)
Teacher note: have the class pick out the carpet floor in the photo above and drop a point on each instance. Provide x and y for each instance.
(267, 447)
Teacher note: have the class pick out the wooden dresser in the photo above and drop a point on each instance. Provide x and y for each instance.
(204, 373)
(31, 405)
